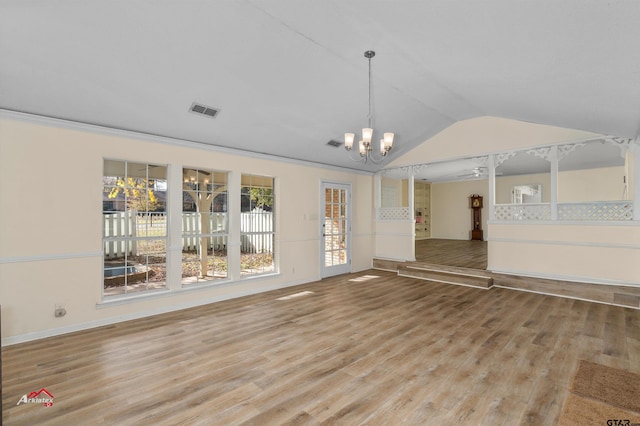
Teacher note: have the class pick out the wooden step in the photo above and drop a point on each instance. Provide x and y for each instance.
(388, 265)
(448, 275)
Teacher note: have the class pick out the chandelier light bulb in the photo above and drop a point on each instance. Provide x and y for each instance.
(366, 135)
(348, 140)
(388, 140)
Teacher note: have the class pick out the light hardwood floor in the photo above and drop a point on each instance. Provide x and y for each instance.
(462, 253)
(379, 350)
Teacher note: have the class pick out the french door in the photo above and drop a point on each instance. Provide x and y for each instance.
(336, 229)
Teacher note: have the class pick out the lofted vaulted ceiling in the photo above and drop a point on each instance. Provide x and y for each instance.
(288, 76)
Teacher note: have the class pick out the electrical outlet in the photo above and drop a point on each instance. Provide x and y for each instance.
(59, 311)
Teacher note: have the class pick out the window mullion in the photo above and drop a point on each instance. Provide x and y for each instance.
(234, 241)
(174, 226)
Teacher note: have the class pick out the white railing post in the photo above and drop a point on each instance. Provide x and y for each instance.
(377, 194)
(491, 166)
(635, 154)
(553, 155)
(412, 201)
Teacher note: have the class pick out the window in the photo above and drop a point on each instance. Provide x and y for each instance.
(256, 225)
(204, 226)
(134, 227)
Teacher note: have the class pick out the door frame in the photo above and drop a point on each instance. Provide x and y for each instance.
(344, 268)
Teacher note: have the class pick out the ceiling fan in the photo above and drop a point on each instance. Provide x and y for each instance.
(477, 172)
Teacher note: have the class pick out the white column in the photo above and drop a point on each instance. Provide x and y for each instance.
(553, 161)
(635, 164)
(491, 165)
(174, 226)
(411, 194)
(412, 212)
(233, 213)
(377, 195)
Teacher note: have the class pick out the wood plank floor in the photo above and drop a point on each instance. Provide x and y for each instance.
(369, 348)
(462, 253)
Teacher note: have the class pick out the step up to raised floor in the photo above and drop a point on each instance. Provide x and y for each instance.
(438, 273)
(620, 295)
(447, 275)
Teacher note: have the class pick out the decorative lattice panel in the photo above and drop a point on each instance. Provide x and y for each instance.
(608, 210)
(523, 212)
(597, 211)
(393, 213)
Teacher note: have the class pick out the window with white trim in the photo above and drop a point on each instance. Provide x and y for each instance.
(134, 227)
(204, 226)
(257, 225)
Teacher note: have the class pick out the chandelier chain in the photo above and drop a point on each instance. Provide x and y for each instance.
(370, 116)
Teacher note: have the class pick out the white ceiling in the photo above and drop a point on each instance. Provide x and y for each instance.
(290, 75)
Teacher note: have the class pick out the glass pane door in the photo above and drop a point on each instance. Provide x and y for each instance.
(336, 229)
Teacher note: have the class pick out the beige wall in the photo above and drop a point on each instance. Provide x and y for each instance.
(603, 184)
(581, 252)
(395, 240)
(51, 229)
(450, 212)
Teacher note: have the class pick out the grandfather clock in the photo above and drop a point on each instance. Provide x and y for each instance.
(475, 202)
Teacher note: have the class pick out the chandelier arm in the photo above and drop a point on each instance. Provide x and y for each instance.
(373, 158)
(359, 158)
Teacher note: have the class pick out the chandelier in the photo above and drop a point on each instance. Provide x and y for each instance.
(365, 147)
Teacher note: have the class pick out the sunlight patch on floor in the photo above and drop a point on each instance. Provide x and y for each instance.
(364, 278)
(295, 295)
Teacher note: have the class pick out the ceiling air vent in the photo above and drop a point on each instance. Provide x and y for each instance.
(204, 110)
(334, 143)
